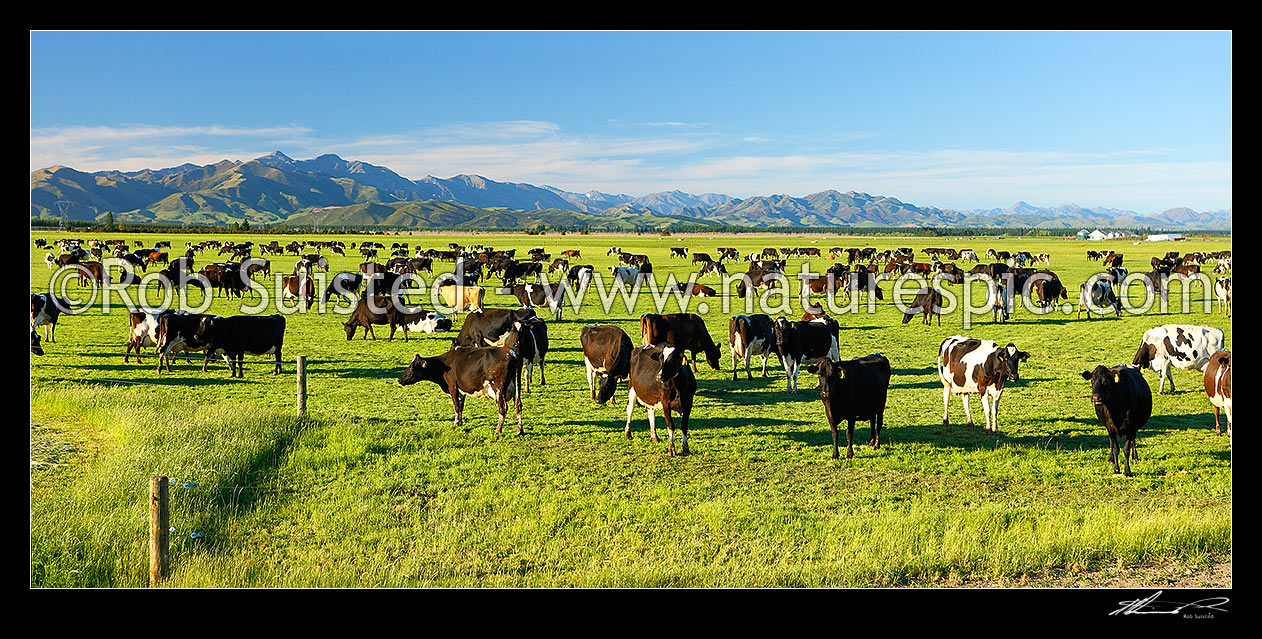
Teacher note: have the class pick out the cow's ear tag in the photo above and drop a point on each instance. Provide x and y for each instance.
(1117, 377)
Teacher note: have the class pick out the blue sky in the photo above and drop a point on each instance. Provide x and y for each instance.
(954, 119)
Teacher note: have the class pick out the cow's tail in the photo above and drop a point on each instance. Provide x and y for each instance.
(621, 368)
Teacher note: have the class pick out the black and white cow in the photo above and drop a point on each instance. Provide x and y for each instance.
(1123, 404)
(532, 348)
(178, 332)
(607, 355)
(237, 335)
(486, 371)
(661, 380)
(854, 390)
(1182, 346)
(1222, 291)
(1098, 295)
(968, 366)
(751, 335)
(547, 296)
(46, 309)
(802, 343)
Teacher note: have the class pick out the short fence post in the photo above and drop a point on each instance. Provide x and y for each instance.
(302, 385)
(159, 530)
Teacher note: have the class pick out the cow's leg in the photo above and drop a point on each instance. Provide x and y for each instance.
(516, 391)
(542, 381)
(457, 402)
(1130, 444)
(501, 405)
(1113, 452)
(683, 428)
(277, 371)
(833, 425)
(652, 428)
(850, 438)
(670, 429)
(968, 413)
(994, 413)
(764, 364)
(529, 371)
(630, 409)
(591, 379)
(946, 400)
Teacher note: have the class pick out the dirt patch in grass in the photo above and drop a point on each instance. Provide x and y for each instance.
(1158, 575)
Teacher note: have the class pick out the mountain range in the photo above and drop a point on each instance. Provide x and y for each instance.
(331, 191)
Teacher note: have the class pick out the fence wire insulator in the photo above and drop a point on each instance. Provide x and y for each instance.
(197, 535)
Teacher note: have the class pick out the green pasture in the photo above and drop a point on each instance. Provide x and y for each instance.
(375, 487)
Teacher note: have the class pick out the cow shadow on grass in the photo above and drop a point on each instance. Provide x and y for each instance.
(640, 423)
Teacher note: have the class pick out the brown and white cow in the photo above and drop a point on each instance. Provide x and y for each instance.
(487, 371)
(968, 366)
(661, 380)
(1218, 387)
(607, 355)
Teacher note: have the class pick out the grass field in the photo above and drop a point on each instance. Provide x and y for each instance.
(376, 488)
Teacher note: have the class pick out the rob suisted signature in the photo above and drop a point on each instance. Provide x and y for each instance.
(1150, 606)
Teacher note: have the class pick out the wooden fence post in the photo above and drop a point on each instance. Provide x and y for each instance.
(159, 530)
(302, 385)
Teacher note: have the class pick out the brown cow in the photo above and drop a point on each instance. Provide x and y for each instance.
(1218, 386)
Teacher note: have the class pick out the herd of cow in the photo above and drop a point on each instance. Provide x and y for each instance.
(494, 346)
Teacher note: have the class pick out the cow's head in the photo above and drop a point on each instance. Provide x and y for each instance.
(672, 363)
(832, 378)
(1014, 357)
(1102, 383)
(786, 335)
(1144, 356)
(425, 369)
(205, 329)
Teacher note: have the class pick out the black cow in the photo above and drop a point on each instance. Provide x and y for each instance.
(493, 372)
(490, 326)
(751, 335)
(854, 390)
(520, 270)
(606, 354)
(1123, 403)
(237, 335)
(661, 380)
(685, 331)
(801, 343)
